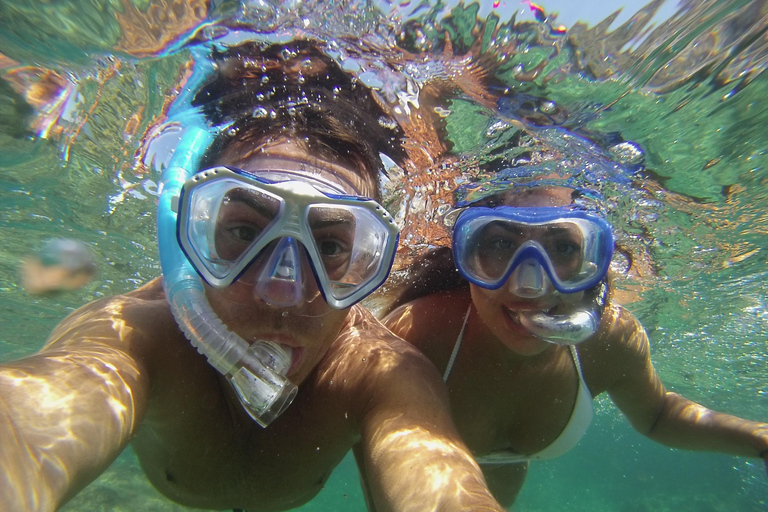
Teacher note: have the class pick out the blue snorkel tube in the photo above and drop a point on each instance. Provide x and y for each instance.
(255, 370)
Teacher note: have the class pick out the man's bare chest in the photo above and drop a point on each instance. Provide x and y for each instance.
(199, 449)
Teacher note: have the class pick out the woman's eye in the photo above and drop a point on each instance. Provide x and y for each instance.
(502, 244)
(566, 249)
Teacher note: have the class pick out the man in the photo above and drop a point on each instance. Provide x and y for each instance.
(279, 227)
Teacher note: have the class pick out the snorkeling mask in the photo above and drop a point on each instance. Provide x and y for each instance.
(572, 246)
(533, 249)
(246, 226)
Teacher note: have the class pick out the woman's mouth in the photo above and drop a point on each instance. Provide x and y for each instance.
(512, 321)
(512, 317)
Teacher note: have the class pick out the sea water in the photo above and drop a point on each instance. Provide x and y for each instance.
(674, 93)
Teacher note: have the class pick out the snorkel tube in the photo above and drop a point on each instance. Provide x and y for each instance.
(255, 370)
(571, 328)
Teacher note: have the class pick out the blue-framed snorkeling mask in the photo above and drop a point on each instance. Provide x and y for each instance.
(261, 227)
(567, 246)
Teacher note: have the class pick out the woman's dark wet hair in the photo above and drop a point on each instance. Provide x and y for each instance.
(261, 93)
(430, 273)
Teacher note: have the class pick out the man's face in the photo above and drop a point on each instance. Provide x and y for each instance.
(307, 329)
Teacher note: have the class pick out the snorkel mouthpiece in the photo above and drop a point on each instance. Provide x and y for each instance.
(571, 328)
(561, 329)
(259, 382)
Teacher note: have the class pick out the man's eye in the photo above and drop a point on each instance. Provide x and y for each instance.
(244, 233)
(330, 248)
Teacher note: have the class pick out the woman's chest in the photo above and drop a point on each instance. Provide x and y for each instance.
(521, 409)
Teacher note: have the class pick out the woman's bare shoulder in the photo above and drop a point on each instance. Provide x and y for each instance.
(430, 317)
(621, 343)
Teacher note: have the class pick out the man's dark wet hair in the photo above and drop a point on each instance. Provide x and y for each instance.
(264, 92)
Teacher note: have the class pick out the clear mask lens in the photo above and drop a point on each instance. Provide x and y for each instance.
(350, 242)
(226, 221)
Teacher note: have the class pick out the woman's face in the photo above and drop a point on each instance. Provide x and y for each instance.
(307, 329)
(499, 309)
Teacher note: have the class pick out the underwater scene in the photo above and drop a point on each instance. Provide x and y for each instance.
(661, 105)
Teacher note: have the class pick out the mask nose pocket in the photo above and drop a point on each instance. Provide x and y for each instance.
(280, 282)
(529, 280)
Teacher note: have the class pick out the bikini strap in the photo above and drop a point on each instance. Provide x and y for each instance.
(576, 362)
(456, 346)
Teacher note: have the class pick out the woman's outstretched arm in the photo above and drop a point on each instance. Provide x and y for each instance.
(664, 416)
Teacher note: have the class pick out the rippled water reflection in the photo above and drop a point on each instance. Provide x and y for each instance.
(669, 117)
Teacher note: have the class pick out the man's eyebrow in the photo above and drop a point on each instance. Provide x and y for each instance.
(268, 208)
(330, 218)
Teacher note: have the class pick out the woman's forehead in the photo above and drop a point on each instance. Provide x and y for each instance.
(548, 195)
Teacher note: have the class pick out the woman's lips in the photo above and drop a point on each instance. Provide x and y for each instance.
(512, 321)
(512, 315)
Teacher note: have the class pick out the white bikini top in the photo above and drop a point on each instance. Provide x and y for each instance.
(574, 430)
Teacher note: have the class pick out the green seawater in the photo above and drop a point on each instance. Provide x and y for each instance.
(693, 97)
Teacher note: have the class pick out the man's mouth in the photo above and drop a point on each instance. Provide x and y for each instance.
(296, 355)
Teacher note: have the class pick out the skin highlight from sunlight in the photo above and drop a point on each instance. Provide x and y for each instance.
(438, 470)
(99, 376)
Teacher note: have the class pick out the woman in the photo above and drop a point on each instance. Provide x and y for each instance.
(526, 335)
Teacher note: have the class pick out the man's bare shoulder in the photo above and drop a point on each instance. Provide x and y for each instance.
(117, 320)
(371, 358)
(366, 333)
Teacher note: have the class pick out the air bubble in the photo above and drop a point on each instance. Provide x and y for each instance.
(548, 107)
(628, 153)
(387, 122)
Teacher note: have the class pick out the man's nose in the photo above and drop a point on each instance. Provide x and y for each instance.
(280, 282)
